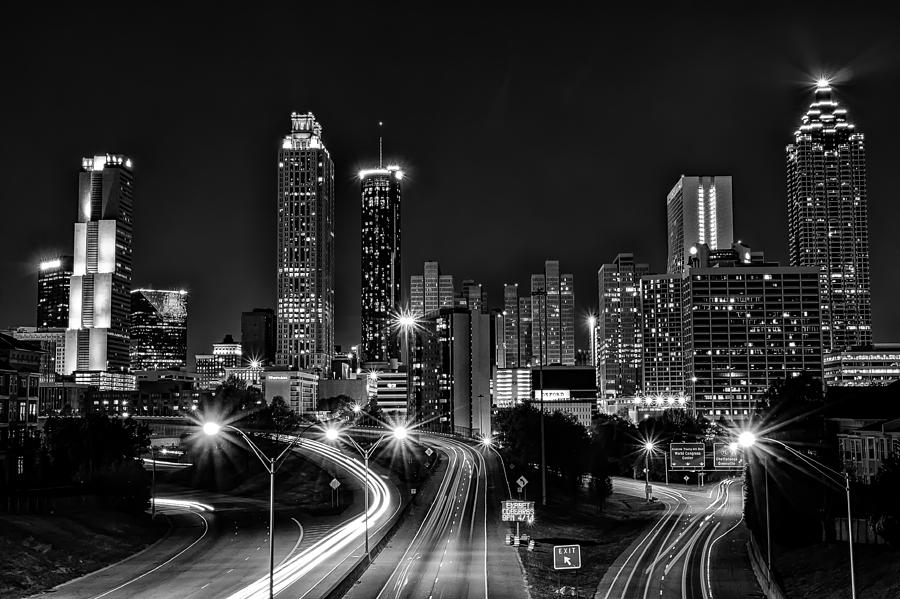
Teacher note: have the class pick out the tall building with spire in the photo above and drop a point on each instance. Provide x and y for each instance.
(305, 246)
(698, 210)
(381, 265)
(828, 223)
(97, 338)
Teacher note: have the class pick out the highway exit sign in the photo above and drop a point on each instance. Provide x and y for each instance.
(566, 557)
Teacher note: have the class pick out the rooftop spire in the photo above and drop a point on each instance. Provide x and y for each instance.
(380, 162)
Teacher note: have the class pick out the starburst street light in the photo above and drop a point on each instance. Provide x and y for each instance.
(748, 439)
(823, 82)
(271, 465)
(399, 433)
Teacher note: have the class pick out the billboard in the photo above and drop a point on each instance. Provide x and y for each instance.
(726, 458)
(687, 456)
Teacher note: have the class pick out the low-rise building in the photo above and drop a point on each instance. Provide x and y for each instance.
(567, 389)
(863, 366)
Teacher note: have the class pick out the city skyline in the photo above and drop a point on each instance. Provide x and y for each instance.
(758, 182)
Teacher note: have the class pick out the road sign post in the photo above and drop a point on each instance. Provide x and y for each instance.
(513, 510)
(566, 557)
(727, 457)
(687, 456)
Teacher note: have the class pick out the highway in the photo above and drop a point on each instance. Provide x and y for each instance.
(457, 548)
(687, 553)
(218, 546)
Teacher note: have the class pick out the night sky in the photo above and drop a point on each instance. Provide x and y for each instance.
(524, 135)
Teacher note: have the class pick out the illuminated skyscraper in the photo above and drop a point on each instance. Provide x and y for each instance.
(662, 330)
(305, 245)
(553, 316)
(698, 211)
(158, 329)
(430, 291)
(100, 288)
(828, 223)
(511, 326)
(619, 338)
(381, 268)
(53, 293)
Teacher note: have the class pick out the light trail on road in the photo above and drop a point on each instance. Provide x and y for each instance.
(343, 537)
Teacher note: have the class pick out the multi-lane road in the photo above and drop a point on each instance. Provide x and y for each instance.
(218, 546)
(688, 552)
(456, 548)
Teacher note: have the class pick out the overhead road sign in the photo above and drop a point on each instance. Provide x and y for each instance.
(687, 456)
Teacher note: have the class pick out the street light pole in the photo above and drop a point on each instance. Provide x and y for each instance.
(748, 439)
(768, 526)
(542, 293)
(850, 536)
(647, 474)
(399, 433)
(271, 465)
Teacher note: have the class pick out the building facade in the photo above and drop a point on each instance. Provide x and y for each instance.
(381, 267)
(828, 223)
(158, 329)
(511, 326)
(662, 344)
(698, 210)
(54, 277)
(512, 386)
(258, 335)
(451, 374)
(305, 248)
(553, 316)
(97, 338)
(568, 389)
(474, 296)
(863, 367)
(747, 326)
(619, 339)
(212, 367)
(430, 291)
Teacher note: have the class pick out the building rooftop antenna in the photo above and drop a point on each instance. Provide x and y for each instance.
(380, 163)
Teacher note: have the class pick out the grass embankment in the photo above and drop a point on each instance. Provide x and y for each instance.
(38, 552)
(823, 572)
(571, 519)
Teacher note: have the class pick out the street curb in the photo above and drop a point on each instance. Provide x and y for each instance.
(165, 536)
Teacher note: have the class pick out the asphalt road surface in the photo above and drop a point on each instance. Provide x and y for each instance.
(457, 550)
(218, 546)
(693, 551)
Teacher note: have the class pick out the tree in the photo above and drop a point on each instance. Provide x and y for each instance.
(99, 454)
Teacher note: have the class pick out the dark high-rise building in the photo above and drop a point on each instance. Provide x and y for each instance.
(381, 268)
(53, 293)
(474, 296)
(97, 339)
(828, 223)
(452, 373)
(619, 339)
(662, 330)
(698, 210)
(258, 336)
(430, 291)
(511, 326)
(747, 325)
(305, 247)
(553, 316)
(158, 329)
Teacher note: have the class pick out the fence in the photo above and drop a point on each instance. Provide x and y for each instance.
(863, 531)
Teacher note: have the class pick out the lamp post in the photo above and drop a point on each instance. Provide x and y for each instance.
(407, 322)
(649, 446)
(748, 439)
(400, 433)
(152, 483)
(271, 465)
(542, 332)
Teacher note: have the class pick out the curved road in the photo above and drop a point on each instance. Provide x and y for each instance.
(458, 548)
(218, 547)
(681, 554)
